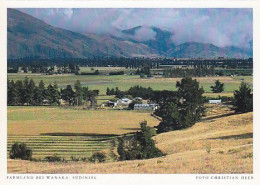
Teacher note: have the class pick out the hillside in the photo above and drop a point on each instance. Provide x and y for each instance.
(221, 143)
(29, 37)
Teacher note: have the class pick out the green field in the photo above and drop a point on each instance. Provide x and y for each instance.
(124, 82)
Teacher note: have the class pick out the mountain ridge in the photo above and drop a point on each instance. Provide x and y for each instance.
(31, 37)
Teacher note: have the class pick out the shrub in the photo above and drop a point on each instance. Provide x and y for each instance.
(75, 159)
(84, 159)
(208, 149)
(53, 158)
(97, 157)
(20, 151)
(142, 75)
(116, 73)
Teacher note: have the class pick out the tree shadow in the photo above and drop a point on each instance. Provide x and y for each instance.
(239, 136)
(136, 129)
(78, 134)
(218, 116)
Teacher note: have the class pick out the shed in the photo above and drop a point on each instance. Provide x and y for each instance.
(214, 101)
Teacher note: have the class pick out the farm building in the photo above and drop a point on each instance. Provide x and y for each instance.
(145, 106)
(214, 101)
(111, 104)
(138, 98)
(124, 101)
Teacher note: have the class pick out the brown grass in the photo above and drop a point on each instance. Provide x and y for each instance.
(222, 145)
(42, 120)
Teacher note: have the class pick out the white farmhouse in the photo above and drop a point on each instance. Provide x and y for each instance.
(214, 101)
(124, 102)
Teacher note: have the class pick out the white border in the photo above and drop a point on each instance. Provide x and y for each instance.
(137, 178)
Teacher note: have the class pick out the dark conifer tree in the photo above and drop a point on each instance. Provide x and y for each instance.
(243, 99)
(20, 92)
(42, 93)
(68, 95)
(12, 93)
(218, 87)
(78, 93)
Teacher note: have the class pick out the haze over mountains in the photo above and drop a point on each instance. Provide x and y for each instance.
(29, 37)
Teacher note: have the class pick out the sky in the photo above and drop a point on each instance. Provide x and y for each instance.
(221, 27)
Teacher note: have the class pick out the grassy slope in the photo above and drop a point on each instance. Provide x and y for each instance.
(228, 141)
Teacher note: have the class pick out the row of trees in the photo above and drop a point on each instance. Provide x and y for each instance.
(196, 71)
(27, 93)
(135, 62)
(80, 95)
(135, 91)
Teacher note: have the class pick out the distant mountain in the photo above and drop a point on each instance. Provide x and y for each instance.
(161, 42)
(30, 37)
(196, 50)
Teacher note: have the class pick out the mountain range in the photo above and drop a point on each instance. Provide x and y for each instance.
(29, 37)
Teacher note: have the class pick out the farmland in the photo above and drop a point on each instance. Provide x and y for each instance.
(70, 132)
(220, 143)
(124, 82)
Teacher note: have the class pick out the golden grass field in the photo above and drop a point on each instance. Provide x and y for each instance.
(221, 143)
(44, 120)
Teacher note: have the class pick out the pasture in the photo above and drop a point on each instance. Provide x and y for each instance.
(48, 120)
(124, 82)
(63, 146)
(70, 132)
(220, 143)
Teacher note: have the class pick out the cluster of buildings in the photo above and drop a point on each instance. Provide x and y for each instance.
(124, 102)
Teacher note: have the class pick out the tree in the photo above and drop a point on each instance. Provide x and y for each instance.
(97, 157)
(132, 104)
(12, 93)
(20, 92)
(169, 113)
(20, 151)
(139, 146)
(53, 94)
(185, 109)
(68, 95)
(243, 99)
(41, 93)
(31, 90)
(108, 92)
(218, 88)
(78, 93)
(190, 98)
(139, 91)
(26, 93)
(89, 95)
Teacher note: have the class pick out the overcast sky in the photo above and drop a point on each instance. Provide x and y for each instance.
(221, 27)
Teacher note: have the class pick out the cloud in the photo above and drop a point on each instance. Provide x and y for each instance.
(221, 27)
